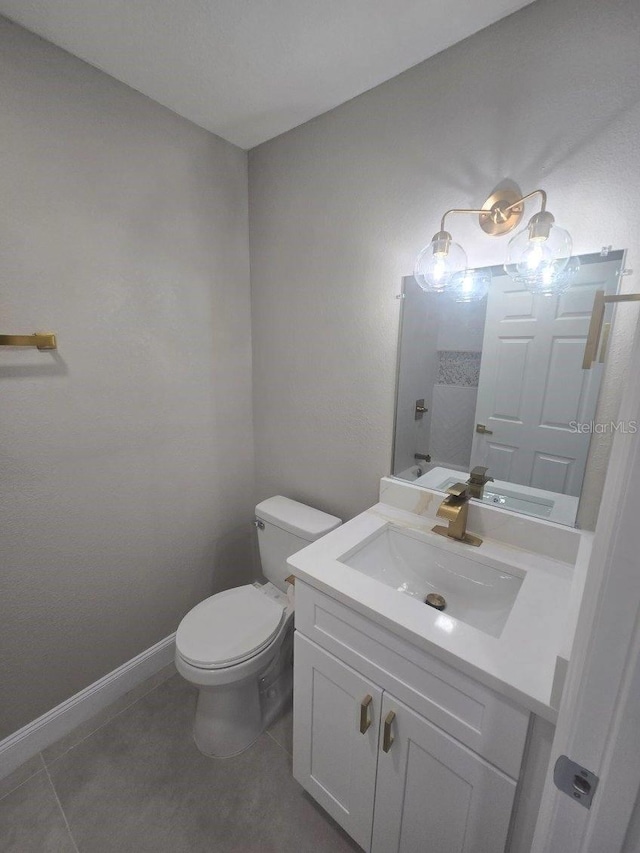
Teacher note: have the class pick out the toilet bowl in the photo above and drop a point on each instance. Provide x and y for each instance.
(236, 646)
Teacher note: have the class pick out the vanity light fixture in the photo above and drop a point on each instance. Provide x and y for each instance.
(538, 256)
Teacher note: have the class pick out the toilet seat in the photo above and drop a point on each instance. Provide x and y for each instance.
(229, 628)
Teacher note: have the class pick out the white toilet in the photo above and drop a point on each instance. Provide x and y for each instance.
(237, 645)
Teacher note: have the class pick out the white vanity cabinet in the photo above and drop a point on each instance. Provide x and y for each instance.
(405, 752)
(334, 756)
(432, 793)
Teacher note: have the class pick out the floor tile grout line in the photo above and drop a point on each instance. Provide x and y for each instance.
(102, 725)
(64, 817)
(283, 748)
(24, 781)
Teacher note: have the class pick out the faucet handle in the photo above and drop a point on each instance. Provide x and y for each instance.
(479, 475)
(458, 492)
(479, 471)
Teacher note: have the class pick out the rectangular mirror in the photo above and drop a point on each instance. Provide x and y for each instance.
(499, 384)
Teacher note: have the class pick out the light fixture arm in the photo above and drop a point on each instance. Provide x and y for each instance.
(501, 213)
(543, 200)
(458, 210)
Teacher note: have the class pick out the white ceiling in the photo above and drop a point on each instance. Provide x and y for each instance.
(249, 70)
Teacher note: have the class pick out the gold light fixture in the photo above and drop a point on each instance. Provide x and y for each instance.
(538, 256)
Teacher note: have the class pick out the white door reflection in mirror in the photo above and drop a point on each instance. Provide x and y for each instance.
(532, 390)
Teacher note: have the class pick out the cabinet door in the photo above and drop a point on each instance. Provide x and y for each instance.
(332, 758)
(433, 794)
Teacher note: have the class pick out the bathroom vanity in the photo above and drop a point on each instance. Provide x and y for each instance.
(417, 729)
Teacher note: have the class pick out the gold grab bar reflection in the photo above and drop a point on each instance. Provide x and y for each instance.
(42, 342)
(595, 326)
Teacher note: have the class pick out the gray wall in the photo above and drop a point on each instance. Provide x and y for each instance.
(126, 459)
(340, 207)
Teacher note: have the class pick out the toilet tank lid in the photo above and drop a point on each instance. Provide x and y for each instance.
(301, 520)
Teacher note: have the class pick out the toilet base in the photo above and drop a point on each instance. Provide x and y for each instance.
(228, 719)
(232, 713)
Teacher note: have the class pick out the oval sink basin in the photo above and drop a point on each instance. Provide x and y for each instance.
(479, 593)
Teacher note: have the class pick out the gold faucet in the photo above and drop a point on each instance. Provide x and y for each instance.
(455, 509)
(477, 481)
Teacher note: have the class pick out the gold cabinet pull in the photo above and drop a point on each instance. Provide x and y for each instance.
(387, 739)
(365, 720)
(481, 428)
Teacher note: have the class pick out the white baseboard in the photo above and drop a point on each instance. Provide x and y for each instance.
(59, 721)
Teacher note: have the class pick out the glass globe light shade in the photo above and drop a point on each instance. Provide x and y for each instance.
(554, 281)
(538, 255)
(438, 262)
(470, 285)
(550, 282)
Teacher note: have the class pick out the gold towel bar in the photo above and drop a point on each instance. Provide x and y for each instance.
(43, 342)
(595, 326)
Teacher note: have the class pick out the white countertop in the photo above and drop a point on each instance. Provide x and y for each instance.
(519, 664)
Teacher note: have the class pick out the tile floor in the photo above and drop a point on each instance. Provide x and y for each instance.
(132, 781)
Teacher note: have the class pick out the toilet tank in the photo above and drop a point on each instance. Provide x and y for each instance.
(284, 527)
